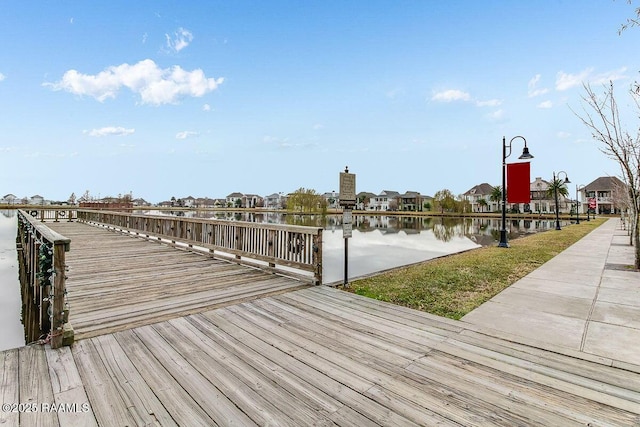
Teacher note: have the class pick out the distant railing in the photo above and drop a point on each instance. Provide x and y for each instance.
(55, 214)
(279, 248)
(41, 256)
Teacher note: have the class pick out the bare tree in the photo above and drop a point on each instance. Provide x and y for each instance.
(631, 22)
(602, 117)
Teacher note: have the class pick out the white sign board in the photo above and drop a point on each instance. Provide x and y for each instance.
(347, 189)
(346, 230)
(347, 216)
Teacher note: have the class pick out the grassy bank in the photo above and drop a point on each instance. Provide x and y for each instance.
(454, 285)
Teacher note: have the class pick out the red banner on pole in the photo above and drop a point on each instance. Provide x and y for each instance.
(518, 180)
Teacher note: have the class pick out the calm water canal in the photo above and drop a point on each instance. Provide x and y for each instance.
(12, 332)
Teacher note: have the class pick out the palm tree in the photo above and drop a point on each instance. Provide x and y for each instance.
(496, 194)
(558, 185)
(483, 204)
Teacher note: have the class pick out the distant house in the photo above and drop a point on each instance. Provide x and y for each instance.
(332, 198)
(36, 200)
(234, 200)
(140, 202)
(189, 202)
(385, 201)
(252, 201)
(363, 200)
(607, 193)
(542, 202)
(410, 201)
(479, 197)
(10, 199)
(274, 201)
(204, 202)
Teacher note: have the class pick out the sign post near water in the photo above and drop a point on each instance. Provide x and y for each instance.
(347, 199)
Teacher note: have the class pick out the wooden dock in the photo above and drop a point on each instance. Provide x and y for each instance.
(263, 351)
(117, 282)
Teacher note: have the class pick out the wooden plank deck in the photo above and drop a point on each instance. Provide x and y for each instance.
(245, 351)
(117, 282)
(317, 356)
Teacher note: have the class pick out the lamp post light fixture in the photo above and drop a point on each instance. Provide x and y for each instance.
(577, 206)
(525, 156)
(555, 193)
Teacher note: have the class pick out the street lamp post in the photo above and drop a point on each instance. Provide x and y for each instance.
(525, 156)
(577, 206)
(555, 194)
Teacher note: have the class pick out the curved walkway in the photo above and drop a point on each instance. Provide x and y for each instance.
(584, 302)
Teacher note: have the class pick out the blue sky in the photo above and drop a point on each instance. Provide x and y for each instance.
(163, 98)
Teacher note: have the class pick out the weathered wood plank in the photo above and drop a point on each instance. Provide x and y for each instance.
(35, 388)
(107, 403)
(561, 380)
(334, 380)
(9, 385)
(68, 390)
(222, 410)
(413, 397)
(132, 388)
(587, 369)
(257, 396)
(535, 402)
(177, 401)
(303, 390)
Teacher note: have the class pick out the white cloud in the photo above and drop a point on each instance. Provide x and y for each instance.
(2, 77)
(395, 93)
(286, 143)
(566, 81)
(609, 76)
(145, 36)
(451, 95)
(533, 87)
(496, 115)
(181, 39)
(545, 104)
(563, 135)
(186, 134)
(489, 103)
(206, 107)
(110, 130)
(318, 126)
(154, 85)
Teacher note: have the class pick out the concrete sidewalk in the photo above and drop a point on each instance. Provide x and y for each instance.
(585, 301)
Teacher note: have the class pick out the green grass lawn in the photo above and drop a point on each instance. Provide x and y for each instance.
(454, 285)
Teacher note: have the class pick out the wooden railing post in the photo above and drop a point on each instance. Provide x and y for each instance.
(57, 297)
(317, 257)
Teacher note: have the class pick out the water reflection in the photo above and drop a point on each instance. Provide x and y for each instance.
(483, 231)
(11, 331)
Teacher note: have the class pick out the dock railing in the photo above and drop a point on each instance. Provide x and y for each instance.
(42, 269)
(55, 214)
(278, 248)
